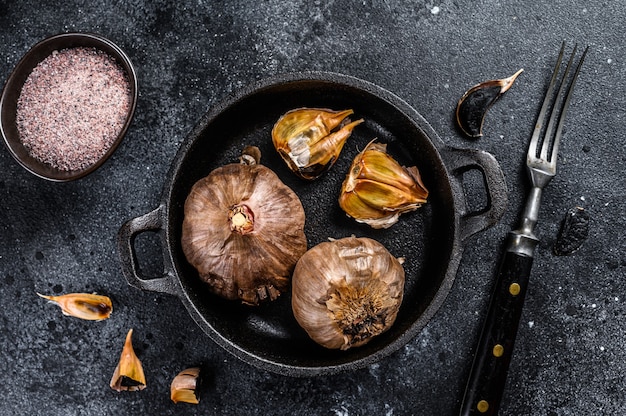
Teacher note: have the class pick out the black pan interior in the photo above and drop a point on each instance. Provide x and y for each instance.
(269, 333)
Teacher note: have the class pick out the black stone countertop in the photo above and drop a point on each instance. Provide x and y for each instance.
(570, 355)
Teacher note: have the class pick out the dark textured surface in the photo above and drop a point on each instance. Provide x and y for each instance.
(570, 355)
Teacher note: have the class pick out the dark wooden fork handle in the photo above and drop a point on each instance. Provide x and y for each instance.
(495, 347)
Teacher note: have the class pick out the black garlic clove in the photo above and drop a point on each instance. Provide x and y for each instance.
(574, 231)
(474, 104)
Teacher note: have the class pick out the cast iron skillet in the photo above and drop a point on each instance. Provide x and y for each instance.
(430, 239)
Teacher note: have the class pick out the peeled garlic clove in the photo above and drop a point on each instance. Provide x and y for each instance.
(243, 231)
(347, 291)
(307, 141)
(128, 374)
(378, 189)
(474, 104)
(184, 386)
(86, 306)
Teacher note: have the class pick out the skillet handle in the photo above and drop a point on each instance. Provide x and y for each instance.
(460, 161)
(152, 221)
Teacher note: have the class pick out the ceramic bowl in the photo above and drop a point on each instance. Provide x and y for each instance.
(13, 89)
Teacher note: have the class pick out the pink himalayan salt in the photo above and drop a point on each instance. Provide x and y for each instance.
(72, 108)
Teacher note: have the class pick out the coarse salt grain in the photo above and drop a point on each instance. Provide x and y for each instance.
(72, 108)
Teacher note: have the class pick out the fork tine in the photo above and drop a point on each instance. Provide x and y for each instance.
(545, 146)
(564, 108)
(534, 141)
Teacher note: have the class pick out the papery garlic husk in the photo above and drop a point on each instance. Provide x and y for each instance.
(88, 306)
(243, 231)
(310, 139)
(346, 292)
(128, 374)
(184, 386)
(377, 189)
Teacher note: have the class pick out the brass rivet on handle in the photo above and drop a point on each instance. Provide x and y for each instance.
(514, 289)
(498, 350)
(482, 406)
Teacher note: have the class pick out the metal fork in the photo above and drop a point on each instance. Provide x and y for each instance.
(495, 347)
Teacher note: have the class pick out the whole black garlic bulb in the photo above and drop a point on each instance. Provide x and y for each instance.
(243, 230)
(346, 292)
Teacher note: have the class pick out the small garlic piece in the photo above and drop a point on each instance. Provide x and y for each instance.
(377, 189)
(86, 306)
(128, 374)
(310, 139)
(184, 386)
(347, 291)
(474, 104)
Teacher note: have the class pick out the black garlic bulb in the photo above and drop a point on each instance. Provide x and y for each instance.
(346, 292)
(243, 231)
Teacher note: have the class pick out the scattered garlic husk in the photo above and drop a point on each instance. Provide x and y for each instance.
(243, 231)
(184, 387)
(128, 374)
(310, 139)
(346, 292)
(90, 307)
(377, 189)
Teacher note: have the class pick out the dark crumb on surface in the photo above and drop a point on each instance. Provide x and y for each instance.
(574, 231)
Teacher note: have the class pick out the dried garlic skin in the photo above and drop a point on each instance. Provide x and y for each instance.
(128, 374)
(346, 292)
(243, 231)
(474, 104)
(377, 189)
(184, 387)
(310, 139)
(87, 306)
